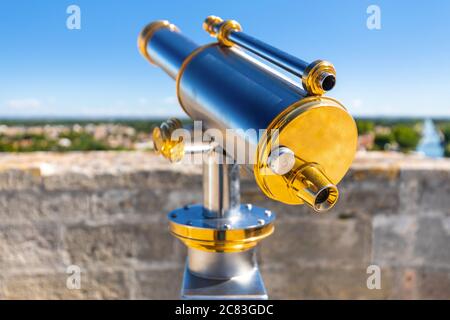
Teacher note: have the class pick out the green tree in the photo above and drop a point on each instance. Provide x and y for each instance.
(406, 137)
(84, 142)
(364, 126)
(382, 140)
(445, 129)
(447, 150)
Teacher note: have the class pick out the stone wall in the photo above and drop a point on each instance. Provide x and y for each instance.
(105, 212)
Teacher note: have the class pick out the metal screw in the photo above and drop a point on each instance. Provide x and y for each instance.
(173, 215)
(281, 160)
(226, 227)
(249, 206)
(268, 213)
(261, 222)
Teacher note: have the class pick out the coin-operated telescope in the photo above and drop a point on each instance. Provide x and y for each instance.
(236, 85)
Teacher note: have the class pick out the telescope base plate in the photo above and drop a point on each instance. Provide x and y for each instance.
(246, 287)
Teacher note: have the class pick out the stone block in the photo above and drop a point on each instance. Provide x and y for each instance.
(432, 245)
(292, 281)
(119, 244)
(19, 180)
(434, 283)
(318, 242)
(20, 206)
(393, 240)
(68, 206)
(29, 247)
(94, 285)
(159, 284)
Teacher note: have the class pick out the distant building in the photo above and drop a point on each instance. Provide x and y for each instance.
(365, 141)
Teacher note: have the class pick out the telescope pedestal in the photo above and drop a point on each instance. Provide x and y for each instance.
(221, 236)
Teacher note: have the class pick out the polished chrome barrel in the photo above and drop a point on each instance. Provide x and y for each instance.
(223, 87)
(238, 93)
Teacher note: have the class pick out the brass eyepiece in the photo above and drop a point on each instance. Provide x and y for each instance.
(305, 180)
(319, 77)
(311, 185)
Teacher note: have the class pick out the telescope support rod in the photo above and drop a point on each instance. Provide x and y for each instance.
(280, 58)
(220, 185)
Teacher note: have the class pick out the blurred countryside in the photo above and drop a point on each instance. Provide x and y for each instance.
(430, 137)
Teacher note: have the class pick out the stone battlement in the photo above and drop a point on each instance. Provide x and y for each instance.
(105, 212)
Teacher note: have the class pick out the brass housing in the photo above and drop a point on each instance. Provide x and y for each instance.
(237, 231)
(323, 136)
(215, 240)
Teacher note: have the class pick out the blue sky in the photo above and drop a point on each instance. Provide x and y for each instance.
(48, 70)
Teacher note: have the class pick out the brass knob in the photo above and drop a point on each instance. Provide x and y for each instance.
(169, 147)
(210, 23)
(220, 29)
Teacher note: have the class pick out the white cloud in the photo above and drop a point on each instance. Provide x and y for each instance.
(143, 101)
(20, 104)
(357, 103)
(170, 100)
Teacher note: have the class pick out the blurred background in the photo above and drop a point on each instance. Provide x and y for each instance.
(80, 184)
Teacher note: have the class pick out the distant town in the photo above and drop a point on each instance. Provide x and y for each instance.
(431, 137)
